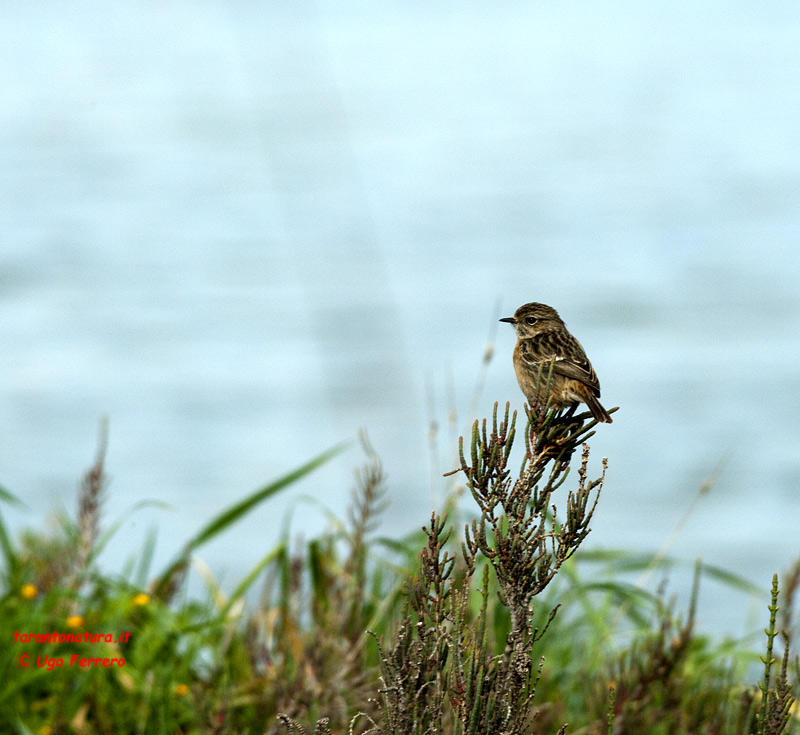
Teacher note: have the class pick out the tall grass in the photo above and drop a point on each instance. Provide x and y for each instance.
(501, 625)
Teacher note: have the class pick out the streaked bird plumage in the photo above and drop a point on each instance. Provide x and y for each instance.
(543, 340)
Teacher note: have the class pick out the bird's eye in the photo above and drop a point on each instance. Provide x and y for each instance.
(531, 320)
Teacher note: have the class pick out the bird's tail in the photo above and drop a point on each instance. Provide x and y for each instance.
(597, 410)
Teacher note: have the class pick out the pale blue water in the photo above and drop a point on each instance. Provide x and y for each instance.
(243, 231)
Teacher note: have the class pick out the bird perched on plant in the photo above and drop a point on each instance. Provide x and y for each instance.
(544, 344)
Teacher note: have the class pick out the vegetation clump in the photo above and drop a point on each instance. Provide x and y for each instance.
(491, 630)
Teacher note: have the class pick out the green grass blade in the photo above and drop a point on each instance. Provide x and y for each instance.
(9, 497)
(235, 512)
(730, 579)
(251, 577)
(111, 531)
(145, 558)
(10, 556)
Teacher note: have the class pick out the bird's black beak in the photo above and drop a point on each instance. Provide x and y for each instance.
(509, 320)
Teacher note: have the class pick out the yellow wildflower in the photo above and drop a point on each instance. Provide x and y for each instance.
(181, 689)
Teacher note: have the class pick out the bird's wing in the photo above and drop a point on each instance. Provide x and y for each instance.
(582, 371)
(570, 359)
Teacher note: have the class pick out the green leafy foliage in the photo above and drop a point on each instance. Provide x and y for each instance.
(506, 627)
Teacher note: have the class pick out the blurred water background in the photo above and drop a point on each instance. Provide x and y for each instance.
(243, 230)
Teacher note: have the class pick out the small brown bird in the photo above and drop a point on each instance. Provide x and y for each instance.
(543, 340)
